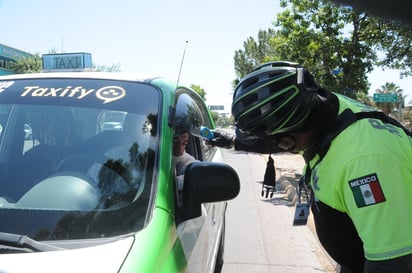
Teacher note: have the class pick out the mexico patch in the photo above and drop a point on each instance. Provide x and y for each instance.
(367, 190)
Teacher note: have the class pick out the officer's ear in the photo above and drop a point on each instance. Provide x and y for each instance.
(285, 142)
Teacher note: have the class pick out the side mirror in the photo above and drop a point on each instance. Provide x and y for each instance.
(207, 182)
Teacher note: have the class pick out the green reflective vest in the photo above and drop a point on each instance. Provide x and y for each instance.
(367, 174)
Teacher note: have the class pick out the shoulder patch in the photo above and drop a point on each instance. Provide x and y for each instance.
(367, 190)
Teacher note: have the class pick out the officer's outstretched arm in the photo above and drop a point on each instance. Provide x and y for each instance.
(242, 142)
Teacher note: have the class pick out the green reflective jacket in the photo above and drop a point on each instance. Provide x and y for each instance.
(367, 174)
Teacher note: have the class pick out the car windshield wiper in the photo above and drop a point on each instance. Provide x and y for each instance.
(25, 242)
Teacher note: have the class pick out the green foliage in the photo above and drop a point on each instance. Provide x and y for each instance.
(31, 64)
(199, 90)
(254, 53)
(394, 39)
(215, 116)
(222, 120)
(325, 39)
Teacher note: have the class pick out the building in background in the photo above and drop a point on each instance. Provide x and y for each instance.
(7, 56)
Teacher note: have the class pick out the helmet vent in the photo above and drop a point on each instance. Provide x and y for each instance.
(250, 82)
(252, 98)
(285, 83)
(275, 74)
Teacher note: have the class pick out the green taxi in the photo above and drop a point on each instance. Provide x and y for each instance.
(93, 189)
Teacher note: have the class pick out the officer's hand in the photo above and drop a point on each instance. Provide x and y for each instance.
(222, 139)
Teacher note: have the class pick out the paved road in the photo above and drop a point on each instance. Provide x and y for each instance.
(259, 232)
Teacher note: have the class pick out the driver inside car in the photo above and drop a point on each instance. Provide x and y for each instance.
(119, 177)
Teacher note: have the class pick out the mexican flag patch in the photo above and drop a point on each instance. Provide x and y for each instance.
(367, 190)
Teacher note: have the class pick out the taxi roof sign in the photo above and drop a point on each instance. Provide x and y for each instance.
(67, 62)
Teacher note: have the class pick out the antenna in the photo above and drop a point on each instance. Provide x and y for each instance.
(181, 64)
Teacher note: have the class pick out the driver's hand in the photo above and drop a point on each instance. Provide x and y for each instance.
(221, 139)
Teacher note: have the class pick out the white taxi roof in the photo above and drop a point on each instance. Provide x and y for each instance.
(94, 75)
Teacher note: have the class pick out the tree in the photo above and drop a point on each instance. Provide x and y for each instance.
(199, 90)
(224, 121)
(254, 53)
(389, 88)
(337, 44)
(215, 116)
(329, 41)
(394, 39)
(29, 64)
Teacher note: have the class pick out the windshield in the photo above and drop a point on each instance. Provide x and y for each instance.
(76, 157)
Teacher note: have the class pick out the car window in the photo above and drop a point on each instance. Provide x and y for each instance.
(192, 113)
(76, 154)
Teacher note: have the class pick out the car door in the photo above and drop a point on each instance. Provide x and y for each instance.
(199, 236)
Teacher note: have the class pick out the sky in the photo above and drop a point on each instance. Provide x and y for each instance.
(189, 41)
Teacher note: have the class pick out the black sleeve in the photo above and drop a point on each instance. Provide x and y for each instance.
(258, 146)
(251, 143)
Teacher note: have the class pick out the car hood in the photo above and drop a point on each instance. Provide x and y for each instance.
(103, 258)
